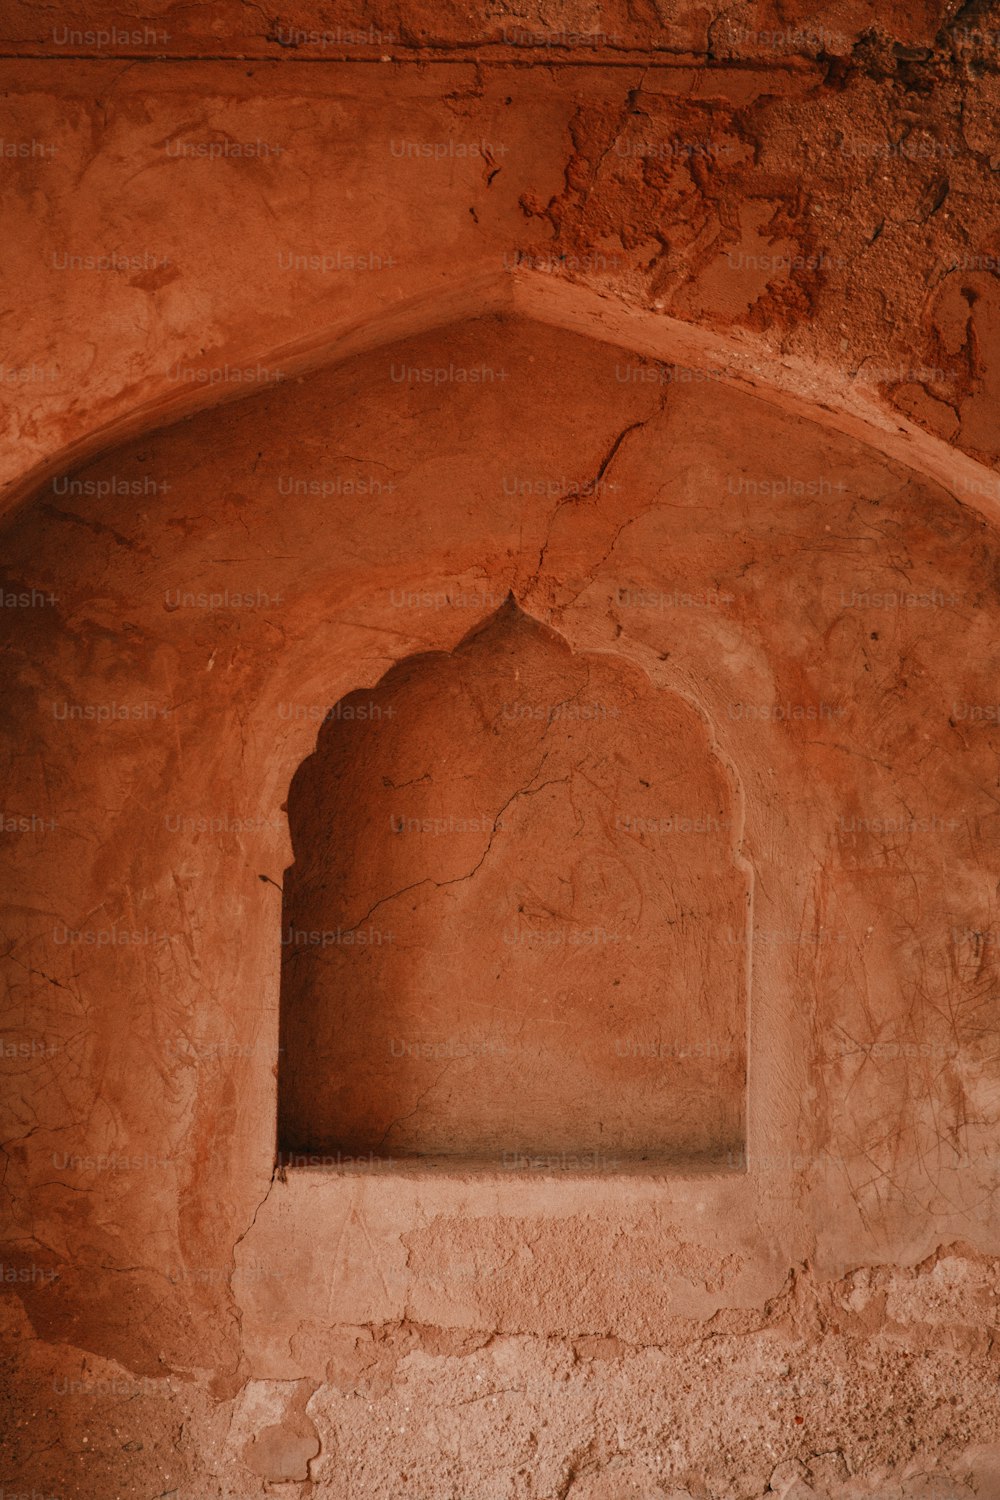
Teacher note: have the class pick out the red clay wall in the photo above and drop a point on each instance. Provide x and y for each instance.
(816, 1312)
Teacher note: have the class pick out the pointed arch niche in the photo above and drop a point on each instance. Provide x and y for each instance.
(515, 929)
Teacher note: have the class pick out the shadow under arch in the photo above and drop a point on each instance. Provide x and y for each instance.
(816, 393)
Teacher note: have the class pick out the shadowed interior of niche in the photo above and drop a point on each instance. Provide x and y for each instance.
(514, 931)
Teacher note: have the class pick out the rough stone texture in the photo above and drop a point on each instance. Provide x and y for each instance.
(692, 357)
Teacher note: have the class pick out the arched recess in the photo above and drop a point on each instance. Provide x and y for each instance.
(515, 927)
(219, 761)
(819, 394)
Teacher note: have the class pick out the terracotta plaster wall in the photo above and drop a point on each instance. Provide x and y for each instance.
(532, 30)
(828, 215)
(815, 1317)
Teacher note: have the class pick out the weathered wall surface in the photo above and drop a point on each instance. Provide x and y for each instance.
(817, 1317)
(531, 30)
(829, 212)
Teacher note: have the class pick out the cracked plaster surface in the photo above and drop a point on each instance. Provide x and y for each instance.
(831, 214)
(147, 1238)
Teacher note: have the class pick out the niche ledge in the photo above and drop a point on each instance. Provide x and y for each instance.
(522, 1166)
